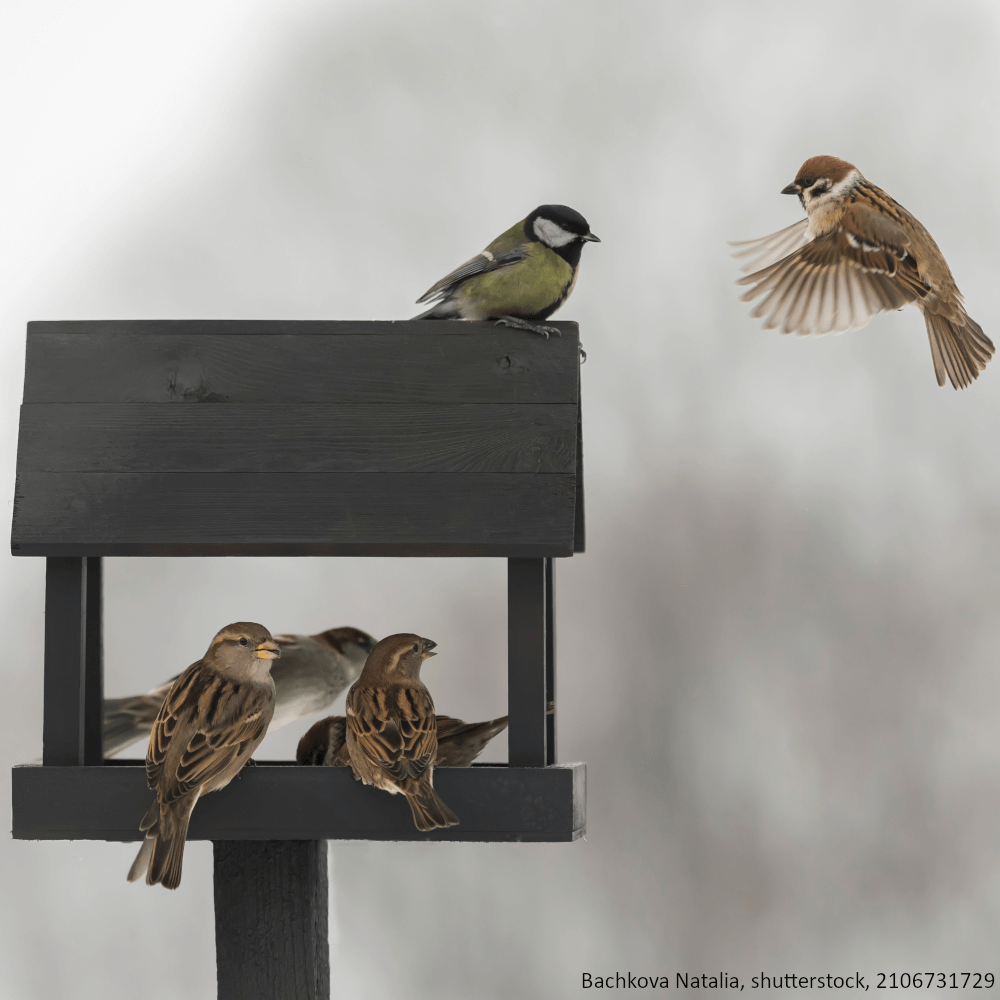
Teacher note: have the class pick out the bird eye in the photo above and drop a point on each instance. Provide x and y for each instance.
(243, 640)
(416, 648)
(807, 182)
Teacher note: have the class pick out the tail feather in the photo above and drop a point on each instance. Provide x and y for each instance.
(141, 864)
(166, 837)
(960, 350)
(459, 744)
(446, 309)
(429, 810)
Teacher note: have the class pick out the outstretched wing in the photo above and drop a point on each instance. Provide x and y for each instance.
(481, 263)
(840, 280)
(769, 249)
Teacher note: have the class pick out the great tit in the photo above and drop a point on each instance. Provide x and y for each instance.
(521, 278)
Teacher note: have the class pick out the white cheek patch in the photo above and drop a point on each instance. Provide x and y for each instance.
(552, 234)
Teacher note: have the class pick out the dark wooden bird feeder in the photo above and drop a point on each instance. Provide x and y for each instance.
(294, 439)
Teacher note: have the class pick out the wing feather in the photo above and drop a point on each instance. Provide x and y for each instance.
(767, 250)
(832, 284)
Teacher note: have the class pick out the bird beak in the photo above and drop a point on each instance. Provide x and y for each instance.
(792, 188)
(591, 238)
(268, 650)
(429, 645)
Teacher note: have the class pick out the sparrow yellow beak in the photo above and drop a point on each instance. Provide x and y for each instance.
(591, 238)
(792, 188)
(427, 649)
(268, 650)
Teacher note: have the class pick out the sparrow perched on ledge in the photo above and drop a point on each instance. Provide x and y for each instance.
(391, 734)
(521, 278)
(459, 743)
(208, 726)
(858, 253)
(313, 670)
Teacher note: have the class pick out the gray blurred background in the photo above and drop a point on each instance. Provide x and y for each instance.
(778, 655)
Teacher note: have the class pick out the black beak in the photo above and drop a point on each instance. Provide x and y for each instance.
(792, 188)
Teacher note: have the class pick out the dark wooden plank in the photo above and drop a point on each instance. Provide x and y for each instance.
(285, 802)
(580, 531)
(63, 685)
(93, 682)
(195, 362)
(550, 663)
(526, 662)
(292, 514)
(310, 437)
(271, 904)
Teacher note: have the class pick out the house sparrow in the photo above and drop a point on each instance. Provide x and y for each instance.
(391, 733)
(459, 743)
(521, 278)
(207, 728)
(313, 670)
(856, 254)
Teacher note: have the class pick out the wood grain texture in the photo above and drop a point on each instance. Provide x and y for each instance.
(297, 437)
(275, 801)
(271, 906)
(293, 514)
(257, 362)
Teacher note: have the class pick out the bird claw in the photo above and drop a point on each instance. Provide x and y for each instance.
(522, 324)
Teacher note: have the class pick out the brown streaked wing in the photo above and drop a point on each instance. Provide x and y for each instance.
(395, 729)
(768, 250)
(829, 286)
(166, 721)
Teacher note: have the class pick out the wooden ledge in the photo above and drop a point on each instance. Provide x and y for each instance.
(279, 801)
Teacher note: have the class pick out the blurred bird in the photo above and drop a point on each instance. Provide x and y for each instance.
(521, 278)
(459, 743)
(391, 733)
(314, 669)
(209, 725)
(858, 253)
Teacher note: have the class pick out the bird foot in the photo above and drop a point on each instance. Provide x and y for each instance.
(515, 323)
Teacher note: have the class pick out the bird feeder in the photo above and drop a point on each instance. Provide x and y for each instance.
(236, 438)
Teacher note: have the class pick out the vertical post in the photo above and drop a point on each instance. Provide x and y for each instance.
(93, 682)
(527, 648)
(65, 637)
(271, 902)
(550, 662)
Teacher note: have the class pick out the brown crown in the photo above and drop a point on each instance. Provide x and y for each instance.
(825, 166)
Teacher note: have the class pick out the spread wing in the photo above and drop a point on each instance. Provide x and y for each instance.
(840, 280)
(395, 729)
(481, 263)
(770, 249)
(220, 722)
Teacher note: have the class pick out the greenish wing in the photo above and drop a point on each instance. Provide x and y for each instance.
(480, 264)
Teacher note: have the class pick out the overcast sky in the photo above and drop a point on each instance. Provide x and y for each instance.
(778, 655)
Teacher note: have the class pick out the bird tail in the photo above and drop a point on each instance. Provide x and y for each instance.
(148, 826)
(161, 855)
(429, 811)
(459, 744)
(959, 348)
(445, 309)
(128, 720)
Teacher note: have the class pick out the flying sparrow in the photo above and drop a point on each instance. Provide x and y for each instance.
(313, 670)
(392, 731)
(459, 743)
(856, 254)
(207, 728)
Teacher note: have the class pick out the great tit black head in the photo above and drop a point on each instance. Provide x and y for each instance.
(558, 226)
